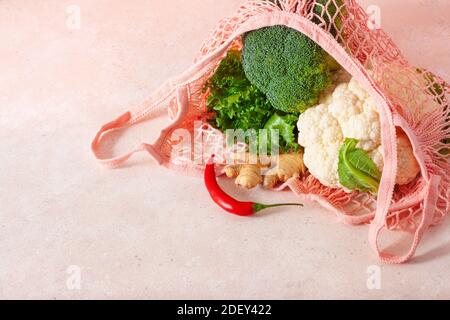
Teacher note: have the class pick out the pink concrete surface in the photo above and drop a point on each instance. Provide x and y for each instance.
(143, 231)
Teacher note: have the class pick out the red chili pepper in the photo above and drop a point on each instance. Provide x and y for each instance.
(227, 202)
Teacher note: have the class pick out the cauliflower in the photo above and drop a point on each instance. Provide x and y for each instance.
(357, 115)
(347, 112)
(407, 168)
(322, 162)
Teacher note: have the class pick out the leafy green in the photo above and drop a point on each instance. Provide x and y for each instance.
(286, 126)
(356, 169)
(291, 69)
(237, 103)
(437, 90)
(331, 12)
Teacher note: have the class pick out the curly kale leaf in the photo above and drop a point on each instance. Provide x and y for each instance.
(237, 103)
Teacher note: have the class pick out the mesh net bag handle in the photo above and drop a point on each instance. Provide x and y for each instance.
(176, 88)
(379, 223)
(130, 118)
(356, 48)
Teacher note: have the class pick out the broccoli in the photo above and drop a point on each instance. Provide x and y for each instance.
(291, 69)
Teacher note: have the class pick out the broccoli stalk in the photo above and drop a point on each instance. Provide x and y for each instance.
(291, 69)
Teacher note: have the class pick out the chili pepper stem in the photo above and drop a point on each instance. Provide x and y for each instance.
(259, 206)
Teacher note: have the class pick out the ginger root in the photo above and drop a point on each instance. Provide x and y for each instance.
(289, 166)
(247, 172)
(250, 175)
(247, 175)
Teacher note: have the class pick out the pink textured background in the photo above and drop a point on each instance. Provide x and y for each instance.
(143, 231)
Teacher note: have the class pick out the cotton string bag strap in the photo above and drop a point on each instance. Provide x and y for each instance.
(430, 198)
(129, 119)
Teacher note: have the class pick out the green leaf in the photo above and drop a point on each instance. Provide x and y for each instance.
(236, 103)
(437, 90)
(331, 12)
(356, 169)
(287, 127)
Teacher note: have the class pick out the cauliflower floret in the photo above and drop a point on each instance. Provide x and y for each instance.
(347, 112)
(408, 168)
(322, 162)
(358, 118)
(377, 157)
(317, 126)
(342, 98)
(366, 128)
(355, 88)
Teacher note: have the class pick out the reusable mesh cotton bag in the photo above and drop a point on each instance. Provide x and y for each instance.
(407, 97)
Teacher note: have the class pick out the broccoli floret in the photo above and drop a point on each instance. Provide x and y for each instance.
(291, 69)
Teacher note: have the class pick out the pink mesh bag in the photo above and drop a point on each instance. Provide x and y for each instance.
(407, 97)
